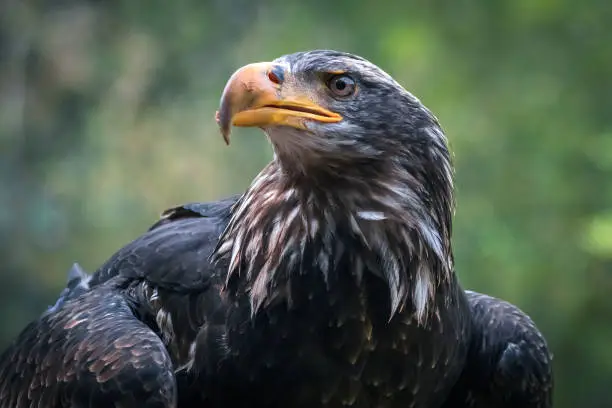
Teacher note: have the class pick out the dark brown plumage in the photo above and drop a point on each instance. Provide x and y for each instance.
(508, 362)
(329, 283)
(90, 351)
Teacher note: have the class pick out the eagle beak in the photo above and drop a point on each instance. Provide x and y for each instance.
(252, 98)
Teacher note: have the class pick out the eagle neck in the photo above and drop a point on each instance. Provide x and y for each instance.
(282, 227)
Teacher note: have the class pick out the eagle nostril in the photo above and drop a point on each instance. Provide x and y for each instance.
(276, 74)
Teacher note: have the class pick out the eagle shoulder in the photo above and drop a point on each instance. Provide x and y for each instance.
(509, 364)
(91, 351)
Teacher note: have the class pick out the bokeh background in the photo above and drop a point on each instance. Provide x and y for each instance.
(106, 119)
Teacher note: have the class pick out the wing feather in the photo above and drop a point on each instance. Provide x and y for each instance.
(89, 352)
(174, 253)
(509, 364)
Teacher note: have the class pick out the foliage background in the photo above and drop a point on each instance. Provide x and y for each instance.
(106, 118)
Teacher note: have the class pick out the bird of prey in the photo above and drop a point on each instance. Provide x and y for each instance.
(329, 282)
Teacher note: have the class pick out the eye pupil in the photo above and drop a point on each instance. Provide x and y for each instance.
(342, 85)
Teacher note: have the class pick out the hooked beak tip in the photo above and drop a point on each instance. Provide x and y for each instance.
(225, 127)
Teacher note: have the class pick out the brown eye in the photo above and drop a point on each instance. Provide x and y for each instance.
(342, 85)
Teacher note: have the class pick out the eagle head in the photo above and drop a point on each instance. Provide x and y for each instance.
(351, 147)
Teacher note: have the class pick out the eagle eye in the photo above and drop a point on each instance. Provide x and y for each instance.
(342, 85)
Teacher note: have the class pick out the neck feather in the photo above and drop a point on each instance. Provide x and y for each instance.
(281, 227)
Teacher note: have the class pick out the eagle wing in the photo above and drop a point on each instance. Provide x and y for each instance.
(509, 364)
(109, 338)
(90, 351)
(173, 254)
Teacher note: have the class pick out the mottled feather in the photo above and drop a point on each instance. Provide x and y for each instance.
(509, 364)
(90, 352)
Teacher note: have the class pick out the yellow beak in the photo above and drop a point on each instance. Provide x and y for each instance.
(253, 97)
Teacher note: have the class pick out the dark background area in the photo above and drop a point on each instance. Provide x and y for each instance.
(107, 118)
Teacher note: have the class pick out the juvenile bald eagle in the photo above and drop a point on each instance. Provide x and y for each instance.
(330, 282)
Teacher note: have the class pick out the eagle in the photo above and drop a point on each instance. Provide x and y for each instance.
(329, 282)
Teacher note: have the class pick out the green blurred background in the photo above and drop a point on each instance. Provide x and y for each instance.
(106, 118)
